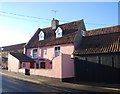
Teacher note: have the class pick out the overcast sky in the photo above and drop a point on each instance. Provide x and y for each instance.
(19, 21)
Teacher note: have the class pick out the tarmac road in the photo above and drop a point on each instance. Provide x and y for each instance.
(12, 83)
(18, 86)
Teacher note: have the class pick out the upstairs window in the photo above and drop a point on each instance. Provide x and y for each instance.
(41, 36)
(83, 33)
(57, 51)
(34, 53)
(58, 32)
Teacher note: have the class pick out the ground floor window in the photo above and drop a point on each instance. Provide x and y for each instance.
(37, 65)
(42, 65)
(23, 65)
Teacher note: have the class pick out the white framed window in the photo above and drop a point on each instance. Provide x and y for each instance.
(57, 51)
(41, 35)
(34, 53)
(58, 32)
(83, 33)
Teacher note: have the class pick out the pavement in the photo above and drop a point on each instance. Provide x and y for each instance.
(90, 87)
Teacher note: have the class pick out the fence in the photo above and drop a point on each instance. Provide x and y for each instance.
(93, 72)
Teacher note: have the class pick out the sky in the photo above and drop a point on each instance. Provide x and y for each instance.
(20, 20)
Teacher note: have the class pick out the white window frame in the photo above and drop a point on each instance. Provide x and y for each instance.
(58, 31)
(41, 35)
(83, 33)
(55, 51)
(32, 52)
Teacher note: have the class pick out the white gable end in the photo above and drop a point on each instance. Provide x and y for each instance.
(41, 35)
(58, 32)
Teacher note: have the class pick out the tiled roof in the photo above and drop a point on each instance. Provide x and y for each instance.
(22, 57)
(69, 38)
(104, 40)
(105, 30)
(14, 47)
(50, 38)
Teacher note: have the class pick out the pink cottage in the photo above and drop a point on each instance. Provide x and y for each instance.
(52, 48)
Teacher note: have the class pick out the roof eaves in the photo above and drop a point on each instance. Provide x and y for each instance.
(32, 38)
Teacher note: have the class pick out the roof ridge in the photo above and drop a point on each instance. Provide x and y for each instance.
(14, 45)
(102, 34)
(72, 22)
(63, 24)
(103, 28)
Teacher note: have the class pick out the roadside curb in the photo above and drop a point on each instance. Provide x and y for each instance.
(74, 86)
(20, 78)
(37, 82)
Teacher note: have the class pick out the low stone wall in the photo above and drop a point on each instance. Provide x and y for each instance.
(42, 72)
(22, 70)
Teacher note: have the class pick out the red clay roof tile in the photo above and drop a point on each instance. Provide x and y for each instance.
(105, 30)
(104, 40)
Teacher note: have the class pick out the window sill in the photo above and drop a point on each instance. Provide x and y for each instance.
(41, 69)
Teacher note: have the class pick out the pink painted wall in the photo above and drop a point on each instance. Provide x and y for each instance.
(29, 53)
(67, 62)
(54, 72)
(22, 70)
(48, 64)
(62, 65)
(13, 63)
(27, 65)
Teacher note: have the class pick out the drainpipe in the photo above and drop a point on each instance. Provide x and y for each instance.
(25, 50)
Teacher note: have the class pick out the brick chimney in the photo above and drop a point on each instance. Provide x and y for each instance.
(54, 23)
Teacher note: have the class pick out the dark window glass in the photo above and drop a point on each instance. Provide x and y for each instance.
(42, 65)
(37, 66)
(57, 51)
(34, 53)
